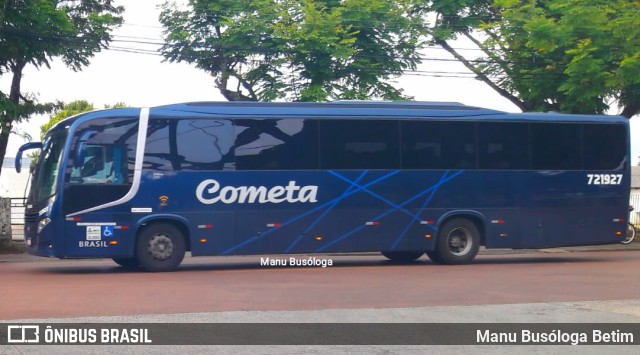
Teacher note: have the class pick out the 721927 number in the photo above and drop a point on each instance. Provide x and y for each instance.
(604, 179)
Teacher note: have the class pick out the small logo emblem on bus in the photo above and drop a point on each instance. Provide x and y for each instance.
(163, 200)
(107, 231)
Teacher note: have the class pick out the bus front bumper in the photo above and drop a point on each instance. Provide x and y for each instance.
(39, 244)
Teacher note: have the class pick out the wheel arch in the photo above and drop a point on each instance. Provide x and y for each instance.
(475, 217)
(177, 221)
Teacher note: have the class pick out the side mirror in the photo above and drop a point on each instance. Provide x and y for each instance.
(27, 146)
(81, 147)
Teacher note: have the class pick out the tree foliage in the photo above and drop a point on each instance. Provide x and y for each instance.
(67, 110)
(71, 109)
(309, 50)
(578, 56)
(33, 32)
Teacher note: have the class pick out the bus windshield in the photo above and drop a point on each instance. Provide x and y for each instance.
(45, 176)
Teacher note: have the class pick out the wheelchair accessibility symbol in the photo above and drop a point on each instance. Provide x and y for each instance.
(107, 231)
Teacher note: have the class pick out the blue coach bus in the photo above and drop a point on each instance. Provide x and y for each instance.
(143, 186)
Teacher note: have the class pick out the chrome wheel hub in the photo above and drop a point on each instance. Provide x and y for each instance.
(459, 241)
(160, 247)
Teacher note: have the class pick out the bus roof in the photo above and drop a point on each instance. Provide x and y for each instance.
(342, 109)
(371, 109)
(338, 108)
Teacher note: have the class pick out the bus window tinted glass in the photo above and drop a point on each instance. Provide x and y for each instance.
(108, 158)
(352, 144)
(438, 145)
(555, 146)
(503, 145)
(108, 155)
(276, 144)
(189, 144)
(102, 164)
(604, 146)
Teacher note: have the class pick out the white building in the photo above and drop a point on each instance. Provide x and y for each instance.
(13, 184)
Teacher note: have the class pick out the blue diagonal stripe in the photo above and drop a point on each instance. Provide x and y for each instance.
(302, 215)
(424, 204)
(381, 198)
(331, 206)
(384, 214)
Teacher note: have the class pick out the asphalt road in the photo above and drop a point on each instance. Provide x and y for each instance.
(590, 285)
(49, 288)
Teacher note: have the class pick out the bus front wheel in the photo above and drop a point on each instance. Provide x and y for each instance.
(458, 242)
(402, 256)
(160, 247)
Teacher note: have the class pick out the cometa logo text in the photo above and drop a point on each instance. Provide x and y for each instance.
(209, 192)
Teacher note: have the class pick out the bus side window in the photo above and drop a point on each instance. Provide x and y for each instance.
(604, 146)
(103, 164)
(276, 144)
(438, 145)
(189, 144)
(503, 145)
(556, 146)
(360, 144)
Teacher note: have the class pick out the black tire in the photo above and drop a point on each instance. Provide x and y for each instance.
(433, 255)
(458, 242)
(160, 247)
(127, 263)
(402, 256)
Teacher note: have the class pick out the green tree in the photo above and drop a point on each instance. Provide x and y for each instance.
(309, 50)
(36, 31)
(578, 56)
(117, 105)
(66, 110)
(71, 109)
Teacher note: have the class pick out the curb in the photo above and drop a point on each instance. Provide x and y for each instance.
(13, 247)
(558, 250)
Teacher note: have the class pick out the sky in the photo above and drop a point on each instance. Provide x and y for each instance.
(143, 79)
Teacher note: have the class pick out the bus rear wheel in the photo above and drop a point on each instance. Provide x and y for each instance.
(402, 256)
(127, 263)
(458, 242)
(160, 247)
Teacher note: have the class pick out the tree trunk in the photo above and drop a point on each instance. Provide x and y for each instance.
(630, 110)
(522, 105)
(629, 100)
(14, 98)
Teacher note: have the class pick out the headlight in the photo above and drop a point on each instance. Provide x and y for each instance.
(43, 223)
